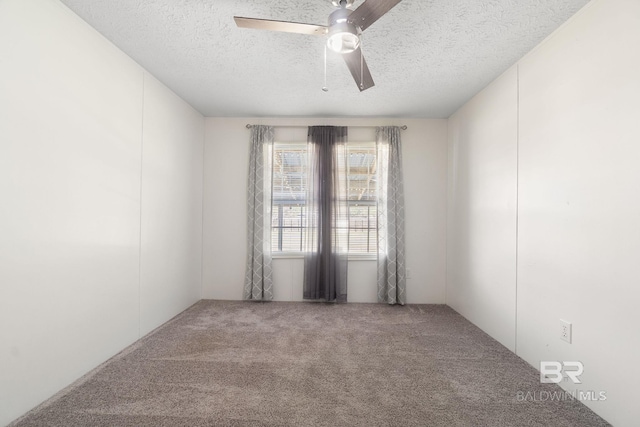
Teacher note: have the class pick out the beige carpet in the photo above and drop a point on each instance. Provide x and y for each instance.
(305, 364)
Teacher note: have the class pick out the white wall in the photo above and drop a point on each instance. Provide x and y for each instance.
(171, 243)
(578, 212)
(481, 230)
(226, 160)
(72, 292)
(579, 216)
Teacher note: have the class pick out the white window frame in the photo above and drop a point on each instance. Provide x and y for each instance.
(358, 256)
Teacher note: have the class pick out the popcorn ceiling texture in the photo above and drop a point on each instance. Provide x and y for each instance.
(427, 57)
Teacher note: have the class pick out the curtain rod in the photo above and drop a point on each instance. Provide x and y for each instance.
(403, 127)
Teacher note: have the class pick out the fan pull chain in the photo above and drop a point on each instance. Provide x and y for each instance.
(325, 88)
(361, 65)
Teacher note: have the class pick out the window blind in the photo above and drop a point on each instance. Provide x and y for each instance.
(289, 189)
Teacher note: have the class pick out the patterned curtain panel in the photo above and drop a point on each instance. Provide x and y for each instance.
(326, 240)
(391, 257)
(258, 283)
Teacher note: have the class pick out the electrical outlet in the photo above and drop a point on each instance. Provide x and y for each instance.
(565, 331)
(408, 273)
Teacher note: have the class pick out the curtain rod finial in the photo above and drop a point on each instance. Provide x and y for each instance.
(249, 126)
(403, 127)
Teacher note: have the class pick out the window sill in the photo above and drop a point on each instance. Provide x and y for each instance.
(363, 257)
(353, 257)
(287, 256)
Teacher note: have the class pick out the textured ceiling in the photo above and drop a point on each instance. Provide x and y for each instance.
(427, 57)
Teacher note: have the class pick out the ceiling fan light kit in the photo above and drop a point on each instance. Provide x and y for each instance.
(343, 35)
(344, 31)
(344, 40)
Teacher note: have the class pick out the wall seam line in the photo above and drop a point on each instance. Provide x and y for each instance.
(515, 349)
(140, 235)
(204, 140)
(446, 217)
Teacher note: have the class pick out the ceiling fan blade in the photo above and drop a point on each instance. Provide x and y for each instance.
(370, 11)
(286, 26)
(353, 60)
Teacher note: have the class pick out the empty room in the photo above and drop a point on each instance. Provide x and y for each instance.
(319, 213)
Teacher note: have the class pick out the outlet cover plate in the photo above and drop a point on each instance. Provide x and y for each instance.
(565, 331)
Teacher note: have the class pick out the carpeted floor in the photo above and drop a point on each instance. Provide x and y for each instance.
(305, 364)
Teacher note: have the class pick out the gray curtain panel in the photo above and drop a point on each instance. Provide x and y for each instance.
(391, 256)
(326, 234)
(258, 284)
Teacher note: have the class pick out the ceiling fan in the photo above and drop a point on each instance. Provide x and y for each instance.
(344, 30)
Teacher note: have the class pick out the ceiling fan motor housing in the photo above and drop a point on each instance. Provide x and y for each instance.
(339, 16)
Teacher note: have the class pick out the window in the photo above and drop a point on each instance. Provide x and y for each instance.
(289, 189)
(362, 198)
